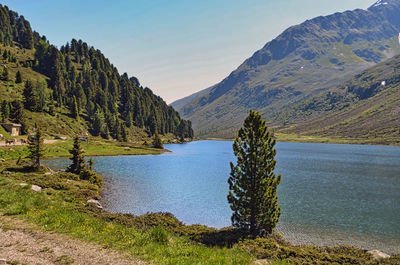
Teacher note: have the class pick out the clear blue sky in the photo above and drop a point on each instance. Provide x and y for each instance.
(174, 47)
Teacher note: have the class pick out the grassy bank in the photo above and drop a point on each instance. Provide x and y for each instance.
(297, 138)
(158, 238)
(337, 140)
(95, 147)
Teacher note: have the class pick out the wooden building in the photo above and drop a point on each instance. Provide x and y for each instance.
(12, 128)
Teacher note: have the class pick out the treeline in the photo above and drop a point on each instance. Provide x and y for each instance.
(83, 80)
(15, 29)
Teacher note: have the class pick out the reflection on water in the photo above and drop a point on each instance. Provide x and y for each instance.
(329, 193)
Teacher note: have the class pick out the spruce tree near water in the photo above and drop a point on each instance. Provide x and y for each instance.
(252, 182)
(157, 142)
(36, 148)
(78, 158)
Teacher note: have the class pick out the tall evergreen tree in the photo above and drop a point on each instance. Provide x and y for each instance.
(252, 182)
(42, 96)
(157, 142)
(78, 158)
(90, 164)
(18, 77)
(29, 96)
(4, 74)
(124, 134)
(36, 148)
(18, 114)
(5, 111)
(75, 109)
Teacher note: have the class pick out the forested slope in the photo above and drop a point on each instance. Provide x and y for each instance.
(77, 82)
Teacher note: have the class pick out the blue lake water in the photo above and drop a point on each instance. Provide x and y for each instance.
(329, 194)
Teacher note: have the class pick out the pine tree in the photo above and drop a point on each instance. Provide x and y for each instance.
(30, 100)
(75, 109)
(18, 114)
(78, 158)
(4, 74)
(124, 133)
(252, 182)
(36, 148)
(90, 164)
(157, 142)
(18, 77)
(5, 111)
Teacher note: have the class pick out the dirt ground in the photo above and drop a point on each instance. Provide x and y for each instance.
(21, 243)
(3, 143)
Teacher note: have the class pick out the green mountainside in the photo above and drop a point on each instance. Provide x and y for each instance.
(74, 89)
(304, 61)
(365, 107)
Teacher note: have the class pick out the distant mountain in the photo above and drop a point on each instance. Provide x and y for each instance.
(302, 62)
(367, 106)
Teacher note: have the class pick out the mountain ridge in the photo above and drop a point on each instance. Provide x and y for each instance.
(304, 60)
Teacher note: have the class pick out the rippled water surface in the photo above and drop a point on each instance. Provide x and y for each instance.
(329, 193)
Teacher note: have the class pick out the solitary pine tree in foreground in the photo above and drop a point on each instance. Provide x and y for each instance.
(252, 182)
(36, 148)
(78, 158)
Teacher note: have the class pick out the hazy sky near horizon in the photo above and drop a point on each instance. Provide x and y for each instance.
(175, 47)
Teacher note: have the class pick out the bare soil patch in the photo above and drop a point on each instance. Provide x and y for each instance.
(22, 243)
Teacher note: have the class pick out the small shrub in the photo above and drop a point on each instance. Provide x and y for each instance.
(159, 235)
(92, 177)
(68, 175)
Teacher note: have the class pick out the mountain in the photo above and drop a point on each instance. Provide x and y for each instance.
(74, 89)
(302, 62)
(365, 107)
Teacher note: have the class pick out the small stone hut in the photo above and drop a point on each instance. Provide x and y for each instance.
(13, 128)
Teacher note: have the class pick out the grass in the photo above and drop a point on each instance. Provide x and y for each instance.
(58, 209)
(158, 238)
(284, 137)
(95, 147)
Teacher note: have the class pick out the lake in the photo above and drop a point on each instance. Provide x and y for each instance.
(329, 194)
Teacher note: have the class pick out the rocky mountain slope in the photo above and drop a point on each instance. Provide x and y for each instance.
(304, 61)
(365, 107)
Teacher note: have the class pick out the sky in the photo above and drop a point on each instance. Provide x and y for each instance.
(174, 47)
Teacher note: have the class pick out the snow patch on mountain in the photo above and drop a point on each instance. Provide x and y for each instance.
(380, 3)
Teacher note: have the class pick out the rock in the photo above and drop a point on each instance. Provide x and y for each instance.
(95, 203)
(2, 160)
(376, 254)
(261, 262)
(36, 188)
(23, 184)
(3, 261)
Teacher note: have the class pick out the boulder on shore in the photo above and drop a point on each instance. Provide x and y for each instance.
(95, 203)
(376, 254)
(36, 188)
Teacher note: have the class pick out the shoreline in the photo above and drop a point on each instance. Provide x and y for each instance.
(187, 238)
(301, 235)
(298, 235)
(322, 140)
